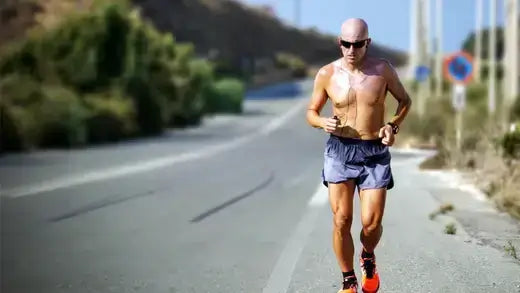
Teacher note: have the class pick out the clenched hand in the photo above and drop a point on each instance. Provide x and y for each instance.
(387, 134)
(329, 124)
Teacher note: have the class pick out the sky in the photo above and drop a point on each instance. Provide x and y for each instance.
(388, 20)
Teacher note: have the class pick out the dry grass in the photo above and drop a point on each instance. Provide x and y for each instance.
(442, 210)
(496, 176)
(507, 190)
(511, 250)
(480, 154)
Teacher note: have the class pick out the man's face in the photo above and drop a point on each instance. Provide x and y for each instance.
(353, 49)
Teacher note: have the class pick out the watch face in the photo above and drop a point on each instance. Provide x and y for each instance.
(395, 128)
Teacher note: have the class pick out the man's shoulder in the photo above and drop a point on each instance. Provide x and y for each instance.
(380, 63)
(326, 71)
(383, 66)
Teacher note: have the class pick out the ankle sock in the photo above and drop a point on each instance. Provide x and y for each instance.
(346, 277)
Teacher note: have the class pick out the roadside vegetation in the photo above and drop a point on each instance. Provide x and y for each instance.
(490, 143)
(104, 75)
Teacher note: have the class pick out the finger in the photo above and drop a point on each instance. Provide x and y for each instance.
(381, 132)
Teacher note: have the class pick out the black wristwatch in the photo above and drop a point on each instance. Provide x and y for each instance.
(395, 127)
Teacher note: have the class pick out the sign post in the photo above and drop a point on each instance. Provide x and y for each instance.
(458, 68)
(459, 103)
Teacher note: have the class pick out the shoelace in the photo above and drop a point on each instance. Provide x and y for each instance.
(368, 266)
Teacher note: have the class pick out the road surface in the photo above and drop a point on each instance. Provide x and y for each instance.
(235, 205)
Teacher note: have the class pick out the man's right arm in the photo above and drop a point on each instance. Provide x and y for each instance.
(318, 99)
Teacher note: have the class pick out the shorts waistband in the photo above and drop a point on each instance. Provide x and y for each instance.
(358, 141)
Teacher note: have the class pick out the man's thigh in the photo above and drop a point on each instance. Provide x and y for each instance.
(341, 197)
(372, 202)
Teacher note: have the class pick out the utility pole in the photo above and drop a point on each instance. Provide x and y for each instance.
(439, 51)
(478, 41)
(297, 12)
(427, 43)
(515, 48)
(492, 58)
(510, 61)
(413, 58)
(506, 60)
(424, 53)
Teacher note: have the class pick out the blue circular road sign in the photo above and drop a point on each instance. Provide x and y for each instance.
(422, 72)
(459, 68)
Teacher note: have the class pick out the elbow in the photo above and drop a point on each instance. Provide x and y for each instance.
(408, 101)
(310, 118)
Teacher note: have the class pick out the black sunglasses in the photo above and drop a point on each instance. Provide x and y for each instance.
(357, 45)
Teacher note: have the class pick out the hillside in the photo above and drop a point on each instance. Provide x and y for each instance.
(235, 35)
(239, 32)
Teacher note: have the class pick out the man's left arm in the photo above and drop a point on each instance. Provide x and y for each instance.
(398, 91)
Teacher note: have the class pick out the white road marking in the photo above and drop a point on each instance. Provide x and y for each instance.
(143, 166)
(282, 273)
(320, 197)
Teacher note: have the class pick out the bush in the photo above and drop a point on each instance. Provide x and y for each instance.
(103, 76)
(10, 136)
(515, 109)
(111, 117)
(45, 115)
(61, 118)
(297, 66)
(510, 143)
(226, 95)
(193, 102)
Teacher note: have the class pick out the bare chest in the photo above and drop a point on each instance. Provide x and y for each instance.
(345, 89)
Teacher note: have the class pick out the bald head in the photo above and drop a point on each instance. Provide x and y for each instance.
(354, 29)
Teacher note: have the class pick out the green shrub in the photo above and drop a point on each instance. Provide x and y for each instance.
(61, 118)
(515, 109)
(511, 144)
(226, 95)
(193, 101)
(57, 120)
(111, 117)
(297, 66)
(109, 75)
(10, 136)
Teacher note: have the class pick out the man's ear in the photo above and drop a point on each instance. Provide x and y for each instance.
(369, 41)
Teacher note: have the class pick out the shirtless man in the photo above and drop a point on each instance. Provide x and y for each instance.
(356, 153)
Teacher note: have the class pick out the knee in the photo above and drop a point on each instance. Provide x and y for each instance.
(371, 227)
(342, 221)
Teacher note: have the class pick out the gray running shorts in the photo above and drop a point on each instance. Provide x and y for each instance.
(365, 161)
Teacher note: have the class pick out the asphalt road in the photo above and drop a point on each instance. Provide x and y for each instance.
(233, 206)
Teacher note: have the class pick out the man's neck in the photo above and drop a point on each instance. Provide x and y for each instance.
(353, 68)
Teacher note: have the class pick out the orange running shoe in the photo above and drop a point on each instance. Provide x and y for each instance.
(351, 285)
(369, 277)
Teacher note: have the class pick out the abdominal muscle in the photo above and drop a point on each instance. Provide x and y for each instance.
(364, 124)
